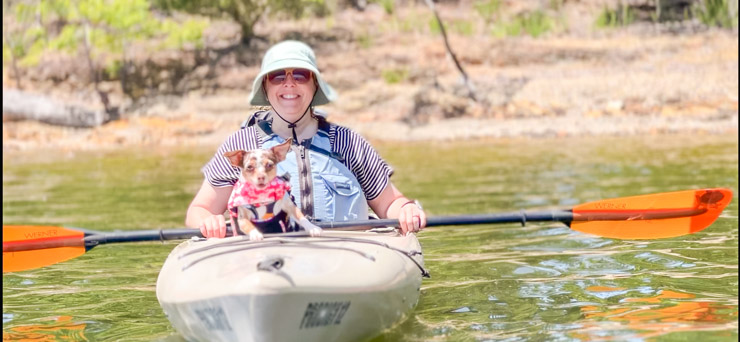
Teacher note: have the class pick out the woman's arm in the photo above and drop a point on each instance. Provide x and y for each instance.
(206, 210)
(391, 203)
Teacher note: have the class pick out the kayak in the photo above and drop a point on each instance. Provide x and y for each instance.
(342, 286)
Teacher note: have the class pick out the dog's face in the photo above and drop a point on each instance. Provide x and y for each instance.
(258, 167)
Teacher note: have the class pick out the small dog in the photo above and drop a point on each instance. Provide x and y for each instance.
(261, 201)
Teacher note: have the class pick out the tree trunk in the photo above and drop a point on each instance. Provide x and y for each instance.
(18, 106)
(13, 59)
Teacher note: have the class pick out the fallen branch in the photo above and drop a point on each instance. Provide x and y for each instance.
(18, 106)
(466, 80)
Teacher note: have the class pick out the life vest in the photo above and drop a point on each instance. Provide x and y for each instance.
(264, 206)
(322, 186)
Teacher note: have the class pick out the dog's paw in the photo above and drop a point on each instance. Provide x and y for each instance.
(311, 228)
(315, 231)
(255, 235)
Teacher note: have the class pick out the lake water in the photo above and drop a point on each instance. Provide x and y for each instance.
(542, 282)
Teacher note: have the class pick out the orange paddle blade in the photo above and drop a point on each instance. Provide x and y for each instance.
(655, 216)
(28, 247)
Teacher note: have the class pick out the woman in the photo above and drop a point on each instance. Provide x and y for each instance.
(334, 172)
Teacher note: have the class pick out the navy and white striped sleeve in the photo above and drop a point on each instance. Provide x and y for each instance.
(219, 171)
(372, 172)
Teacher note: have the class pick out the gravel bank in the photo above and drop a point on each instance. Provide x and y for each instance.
(641, 80)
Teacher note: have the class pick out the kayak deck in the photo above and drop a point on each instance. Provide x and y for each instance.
(341, 286)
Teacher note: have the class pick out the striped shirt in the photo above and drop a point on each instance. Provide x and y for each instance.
(371, 171)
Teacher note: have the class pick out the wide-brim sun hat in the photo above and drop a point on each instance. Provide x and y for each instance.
(286, 55)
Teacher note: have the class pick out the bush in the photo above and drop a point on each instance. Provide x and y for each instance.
(610, 18)
(489, 10)
(393, 76)
(717, 13)
(534, 23)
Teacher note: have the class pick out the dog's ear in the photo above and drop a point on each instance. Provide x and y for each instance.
(282, 150)
(236, 157)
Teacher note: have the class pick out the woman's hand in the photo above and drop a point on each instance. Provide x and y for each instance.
(391, 203)
(411, 217)
(213, 226)
(204, 212)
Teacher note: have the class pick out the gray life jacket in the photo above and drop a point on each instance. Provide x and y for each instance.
(322, 186)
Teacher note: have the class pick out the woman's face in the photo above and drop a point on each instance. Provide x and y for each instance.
(290, 91)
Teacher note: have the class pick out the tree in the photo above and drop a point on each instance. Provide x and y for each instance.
(244, 12)
(101, 30)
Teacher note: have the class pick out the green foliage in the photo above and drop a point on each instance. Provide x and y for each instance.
(186, 33)
(330, 22)
(7, 54)
(364, 40)
(393, 76)
(720, 13)
(489, 10)
(66, 40)
(413, 22)
(388, 5)
(534, 23)
(26, 46)
(463, 27)
(25, 43)
(108, 26)
(102, 30)
(557, 4)
(246, 13)
(716, 13)
(299, 8)
(610, 18)
(321, 8)
(434, 26)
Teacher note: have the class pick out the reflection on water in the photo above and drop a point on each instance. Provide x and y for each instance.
(489, 282)
(645, 317)
(61, 328)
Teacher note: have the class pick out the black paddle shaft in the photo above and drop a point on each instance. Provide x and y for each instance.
(515, 217)
(98, 238)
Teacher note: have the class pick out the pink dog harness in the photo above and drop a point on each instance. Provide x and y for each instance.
(246, 193)
(261, 203)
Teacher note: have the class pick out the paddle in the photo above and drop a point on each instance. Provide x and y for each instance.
(652, 216)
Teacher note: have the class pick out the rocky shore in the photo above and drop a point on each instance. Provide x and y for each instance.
(641, 80)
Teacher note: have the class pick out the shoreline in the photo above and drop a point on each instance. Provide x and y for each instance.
(560, 127)
(154, 132)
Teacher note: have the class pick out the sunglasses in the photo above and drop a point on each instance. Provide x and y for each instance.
(300, 76)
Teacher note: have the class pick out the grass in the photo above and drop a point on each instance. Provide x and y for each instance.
(717, 13)
(394, 76)
(462, 27)
(364, 40)
(535, 24)
(389, 6)
(489, 10)
(612, 18)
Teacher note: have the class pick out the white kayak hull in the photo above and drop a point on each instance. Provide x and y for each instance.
(344, 286)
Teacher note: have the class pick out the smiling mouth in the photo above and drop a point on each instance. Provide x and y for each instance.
(289, 96)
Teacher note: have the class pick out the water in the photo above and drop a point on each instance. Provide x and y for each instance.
(490, 282)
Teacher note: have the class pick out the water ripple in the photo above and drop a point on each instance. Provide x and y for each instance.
(540, 282)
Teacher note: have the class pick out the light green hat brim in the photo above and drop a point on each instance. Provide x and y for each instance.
(285, 55)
